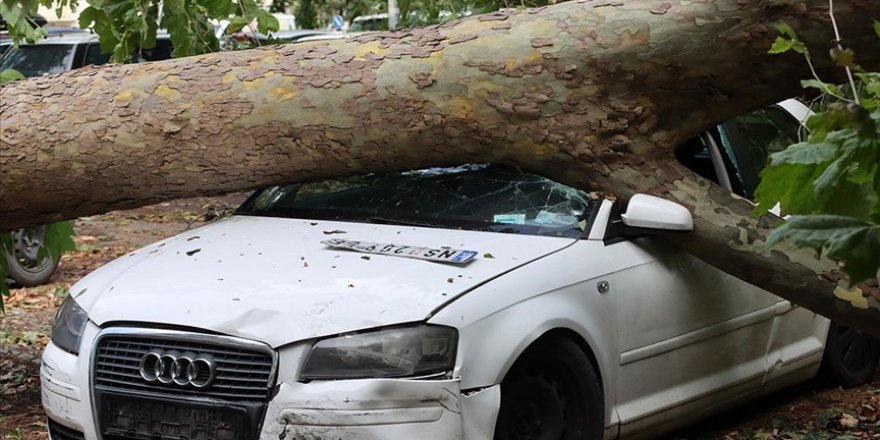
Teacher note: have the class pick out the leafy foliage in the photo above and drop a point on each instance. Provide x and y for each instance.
(10, 75)
(830, 183)
(854, 242)
(126, 26)
(19, 16)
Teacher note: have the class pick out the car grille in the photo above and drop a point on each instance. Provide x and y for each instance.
(243, 373)
(58, 431)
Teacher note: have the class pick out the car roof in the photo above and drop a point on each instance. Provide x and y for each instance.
(328, 36)
(299, 33)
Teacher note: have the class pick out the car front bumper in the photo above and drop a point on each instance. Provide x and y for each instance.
(381, 409)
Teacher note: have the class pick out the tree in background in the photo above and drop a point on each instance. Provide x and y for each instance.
(124, 25)
(306, 15)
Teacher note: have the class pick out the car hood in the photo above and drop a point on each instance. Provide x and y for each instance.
(272, 280)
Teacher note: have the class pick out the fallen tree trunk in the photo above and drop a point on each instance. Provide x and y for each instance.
(594, 93)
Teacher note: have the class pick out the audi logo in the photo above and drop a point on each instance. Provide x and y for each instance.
(182, 369)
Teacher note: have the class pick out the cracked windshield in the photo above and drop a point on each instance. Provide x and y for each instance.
(479, 197)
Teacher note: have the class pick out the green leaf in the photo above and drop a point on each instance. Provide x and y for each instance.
(57, 239)
(235, 25)
(101, 23)
(877, 28)
(833, 175)
(791, 43)
(853, 242)
(10, 75)
(844, 58)
(11, 12)
(832, 119)
(87, 17)
(805, 153)
(781, 45)
(831, 89)
(786, 30)
(148, 40)
(219, 9)
(790, 185)
(250, 9)
(266, 22)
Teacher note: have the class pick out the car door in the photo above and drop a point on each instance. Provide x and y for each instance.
(746, 142)
(690, 337)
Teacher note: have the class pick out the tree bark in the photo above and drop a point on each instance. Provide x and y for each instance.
(594, 93)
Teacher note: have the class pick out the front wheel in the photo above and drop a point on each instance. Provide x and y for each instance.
(551, 393)
(25, 265)
(851, 357)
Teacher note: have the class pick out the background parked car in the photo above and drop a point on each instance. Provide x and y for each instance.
(71, 50)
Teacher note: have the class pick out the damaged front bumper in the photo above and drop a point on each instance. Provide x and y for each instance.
(381, 409)
(364, 409)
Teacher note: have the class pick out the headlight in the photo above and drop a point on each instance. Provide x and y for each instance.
(69, 324)
(394, 352)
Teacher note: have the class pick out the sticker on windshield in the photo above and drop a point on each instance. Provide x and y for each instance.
(515, 219)
(546, 217)
(444, 255)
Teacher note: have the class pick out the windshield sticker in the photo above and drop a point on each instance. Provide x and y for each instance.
(443, 255)
(513, 219)
(546, 217)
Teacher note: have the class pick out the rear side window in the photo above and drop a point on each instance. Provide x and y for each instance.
(95, 57)
(749, 140)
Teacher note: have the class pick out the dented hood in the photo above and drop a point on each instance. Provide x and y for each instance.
(271, 279)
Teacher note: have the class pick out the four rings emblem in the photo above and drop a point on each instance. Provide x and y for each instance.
(197, 370)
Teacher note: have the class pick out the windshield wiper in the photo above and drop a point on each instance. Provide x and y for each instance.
(407, 222)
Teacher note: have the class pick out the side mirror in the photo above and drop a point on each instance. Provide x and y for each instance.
(649, 212)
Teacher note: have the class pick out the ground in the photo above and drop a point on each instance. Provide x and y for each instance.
(808, 411)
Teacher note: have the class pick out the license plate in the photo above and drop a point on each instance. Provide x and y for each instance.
(146, 419)
(443, 255)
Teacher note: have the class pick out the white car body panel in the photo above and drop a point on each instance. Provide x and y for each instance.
(272, 280)
(798, 110)
(669, 341)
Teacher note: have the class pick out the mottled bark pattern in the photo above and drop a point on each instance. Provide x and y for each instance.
(594, 93)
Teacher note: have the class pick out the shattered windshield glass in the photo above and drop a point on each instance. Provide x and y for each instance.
(479, 197)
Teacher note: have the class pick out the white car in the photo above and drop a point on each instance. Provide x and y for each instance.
(475, 302)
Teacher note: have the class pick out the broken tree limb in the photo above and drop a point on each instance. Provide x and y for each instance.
(594, 93)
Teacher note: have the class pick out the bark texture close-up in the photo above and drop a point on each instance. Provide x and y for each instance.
(594, 93)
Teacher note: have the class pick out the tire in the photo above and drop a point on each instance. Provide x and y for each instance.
(551, 393)
(25, 267)
(851, 357)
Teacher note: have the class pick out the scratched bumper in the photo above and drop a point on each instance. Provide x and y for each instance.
(381, 409)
